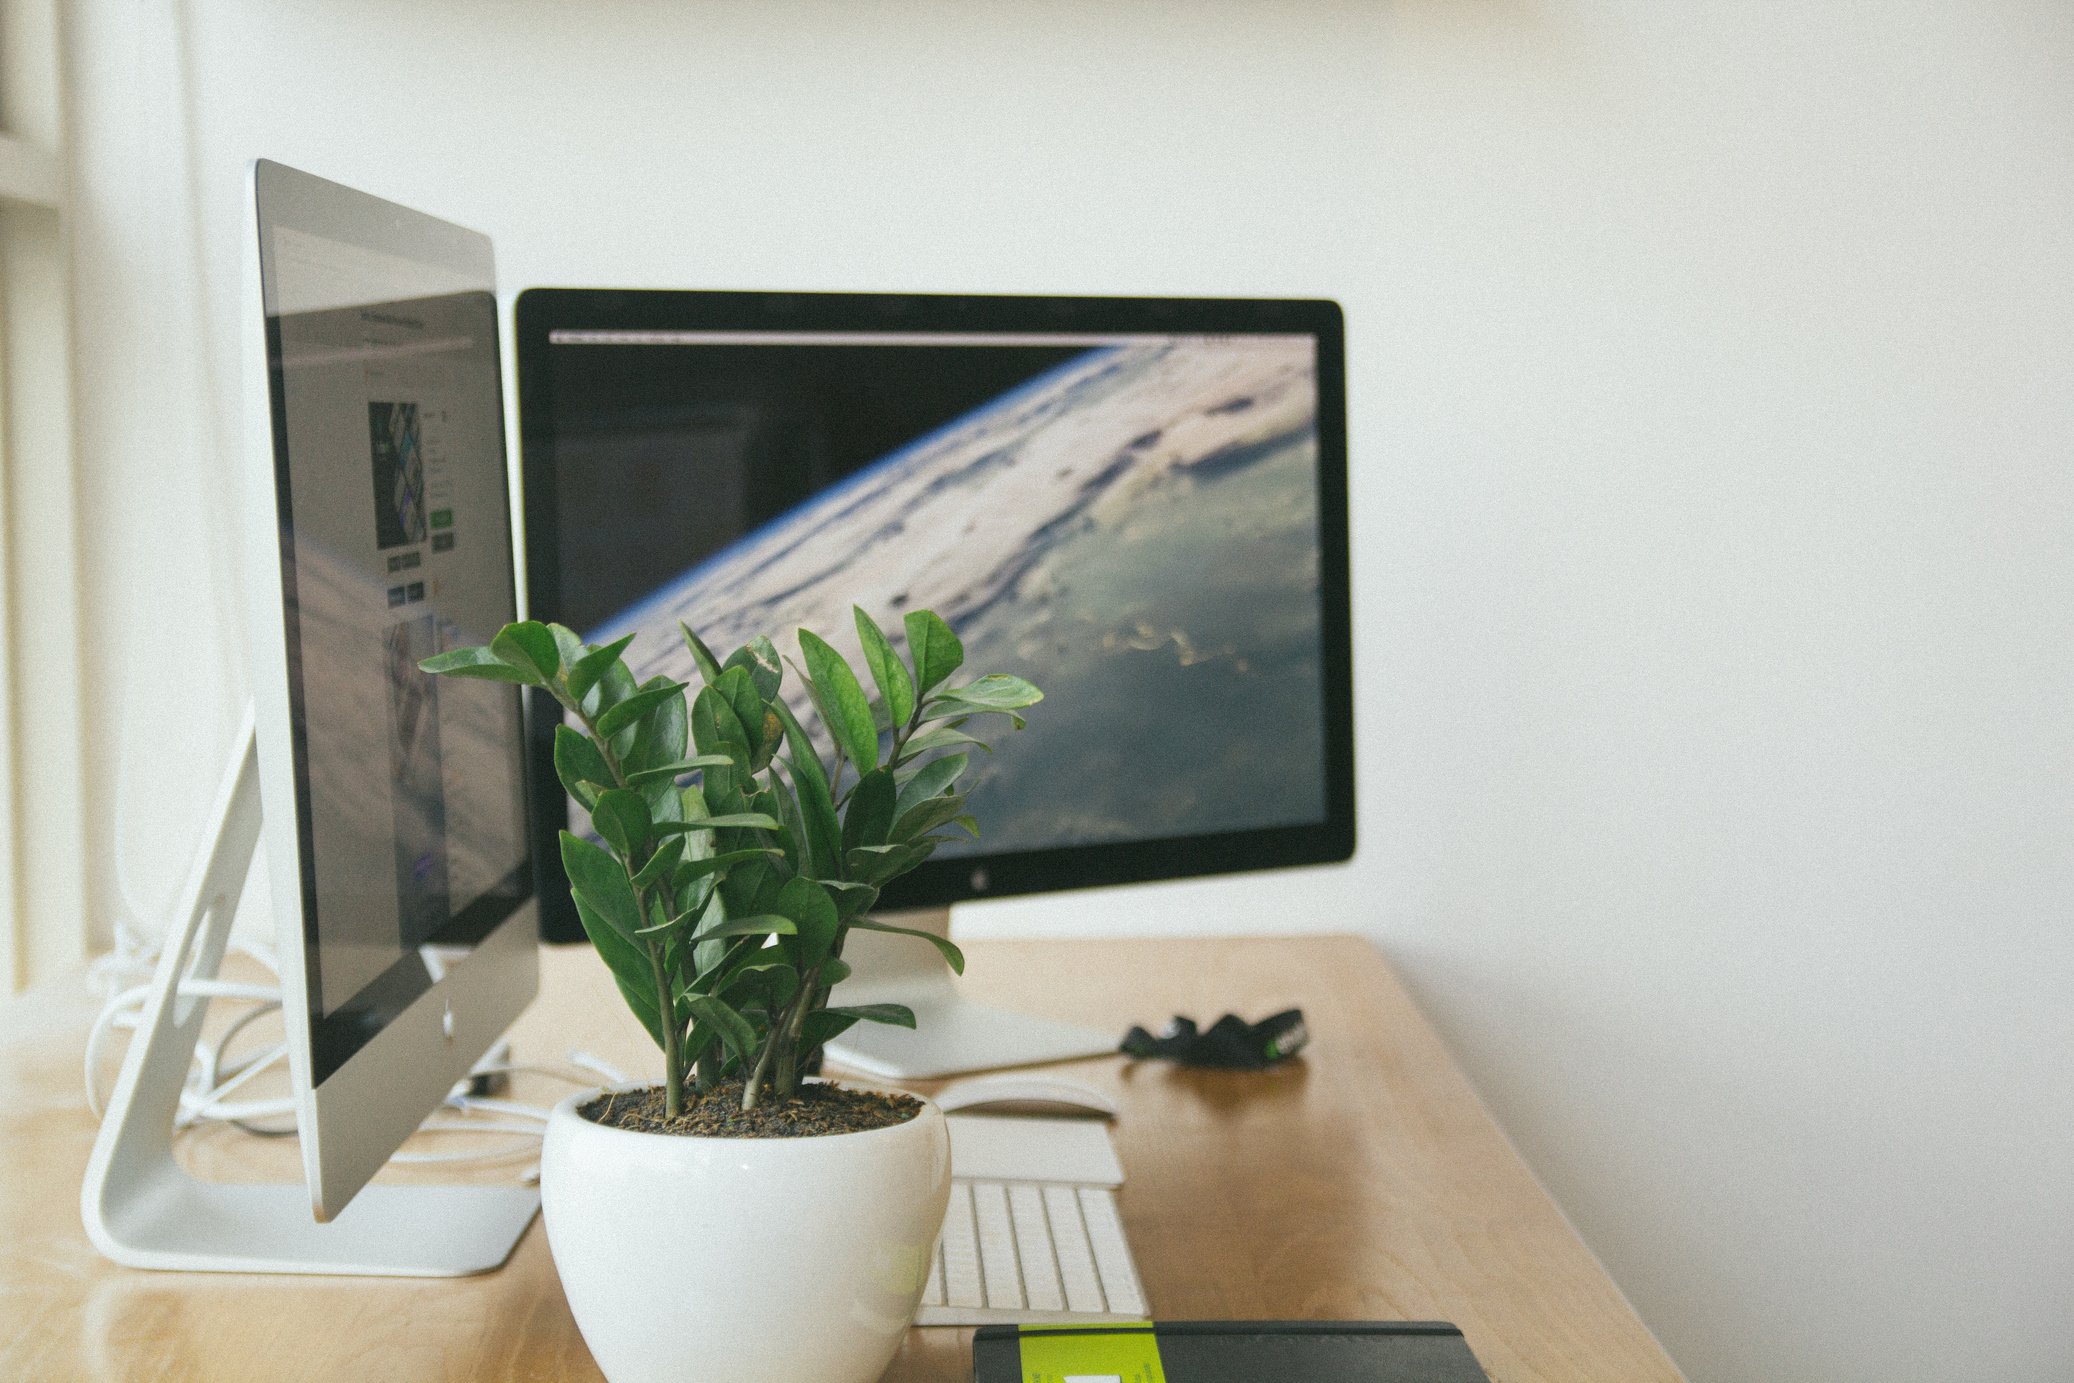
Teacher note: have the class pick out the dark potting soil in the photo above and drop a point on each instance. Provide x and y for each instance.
(810, 1111)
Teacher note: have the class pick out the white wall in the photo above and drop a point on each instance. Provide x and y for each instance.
(1712, 431)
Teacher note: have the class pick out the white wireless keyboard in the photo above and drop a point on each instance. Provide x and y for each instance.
(1030, 1252)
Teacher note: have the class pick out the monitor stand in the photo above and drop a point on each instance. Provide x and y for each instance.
(951, 1033)
(141, 1209)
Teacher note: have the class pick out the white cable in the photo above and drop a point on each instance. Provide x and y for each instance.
(513, 1108)
(210, 1054)
(515, 1149)
(212, 1105)
(599, 1066)
(126, 977)
(126, 1010)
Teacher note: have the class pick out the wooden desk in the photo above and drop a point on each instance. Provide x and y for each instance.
(1365, 1180)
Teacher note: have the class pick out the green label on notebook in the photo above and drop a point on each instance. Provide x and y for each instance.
(1122, 1352)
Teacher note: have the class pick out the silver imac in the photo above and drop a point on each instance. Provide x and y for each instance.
(391, 807)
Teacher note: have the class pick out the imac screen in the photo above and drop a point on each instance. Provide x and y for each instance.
(396, 546)
(1130, 519)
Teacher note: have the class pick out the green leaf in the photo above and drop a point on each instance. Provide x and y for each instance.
(567, 645)
(762, 924)
(842, 701)
(716, 729)
(688, 870)
(760, 660)
(950, 952)
(600, 878)
(816, 804)
(626, 713)
(692, 807)
(809, 906)
(850, 898)
(997, 691)
(944, 705)
(896, 687)
(666, 858)
(742, 961)
(659, 735)
(614, 687)
(879, 864)
(926, 816)
(709, 669)
(941, 737)
(530, 646)
(585, 671)
(722, 791)
(736, 1032)
(773, 732)
(707, 954)
(899, 1015)
(741, 821)
(794, 837)
(869, 816)
(665, 923)
(930, 780)
(579, 765)
(823, 1026)
(771, 983)
(936, 649)
(478, 663)
(627, 962)
(669, 773)
(622, 818)
(740, 691)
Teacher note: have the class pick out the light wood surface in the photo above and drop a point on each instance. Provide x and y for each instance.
(1364, 1180)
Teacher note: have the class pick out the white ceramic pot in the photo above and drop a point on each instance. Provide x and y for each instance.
(743, 1260)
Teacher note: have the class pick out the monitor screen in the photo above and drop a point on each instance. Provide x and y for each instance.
(395, 545)
(1138, 506)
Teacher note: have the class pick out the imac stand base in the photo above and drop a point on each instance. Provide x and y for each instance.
(951, 1033)
(142, 1210)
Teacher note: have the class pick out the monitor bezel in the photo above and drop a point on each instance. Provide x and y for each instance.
(540, 312)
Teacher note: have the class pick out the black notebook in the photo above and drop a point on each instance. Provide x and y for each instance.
(1225, 1352)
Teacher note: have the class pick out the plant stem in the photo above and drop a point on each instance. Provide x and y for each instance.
(784, 1035)
(786, 1078)
(666, 1017)
(755, 1080)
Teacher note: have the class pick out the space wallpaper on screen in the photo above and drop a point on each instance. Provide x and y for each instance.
(1132, 526)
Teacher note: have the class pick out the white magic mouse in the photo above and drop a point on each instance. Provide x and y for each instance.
(1024, 1094)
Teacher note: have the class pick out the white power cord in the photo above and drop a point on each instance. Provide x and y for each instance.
(123, 979)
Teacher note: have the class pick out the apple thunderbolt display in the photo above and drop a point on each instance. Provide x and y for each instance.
(1138, 504)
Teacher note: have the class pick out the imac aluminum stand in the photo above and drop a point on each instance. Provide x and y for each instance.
(141, 1209)
(951, 1034)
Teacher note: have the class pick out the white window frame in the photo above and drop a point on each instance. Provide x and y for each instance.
(43, 928)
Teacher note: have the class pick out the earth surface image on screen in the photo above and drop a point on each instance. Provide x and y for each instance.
(1136, 531)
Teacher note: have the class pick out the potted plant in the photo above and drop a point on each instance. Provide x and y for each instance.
(742, 1221)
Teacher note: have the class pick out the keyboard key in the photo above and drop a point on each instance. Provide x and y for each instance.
(932, 1295)
(1112, 1253)
(1004, 1282)
(1033, 1249)
(961, 1282)
(1076, 1260)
